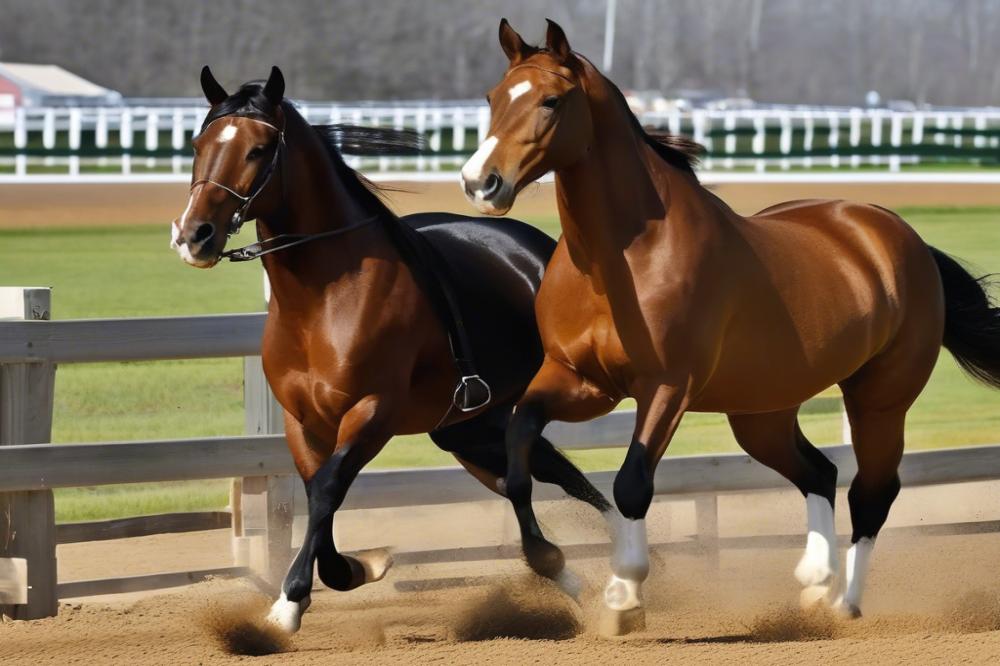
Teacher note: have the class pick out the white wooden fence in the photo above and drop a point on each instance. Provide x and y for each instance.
(130, 140)
(266, 496)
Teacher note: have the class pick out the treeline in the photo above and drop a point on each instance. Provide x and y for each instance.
(800, 51)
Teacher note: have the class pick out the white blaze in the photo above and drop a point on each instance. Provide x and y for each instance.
(473, 169)
(519, 89)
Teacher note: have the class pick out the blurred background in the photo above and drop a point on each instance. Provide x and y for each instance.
(776, 51)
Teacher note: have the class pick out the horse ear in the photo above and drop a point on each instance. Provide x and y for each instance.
(274, 89)
(512, 44)
(214, 92)
(555, 40)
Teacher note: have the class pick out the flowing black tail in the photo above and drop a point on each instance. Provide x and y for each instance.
(971, 320)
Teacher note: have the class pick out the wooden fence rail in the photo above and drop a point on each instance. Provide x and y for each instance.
(47, 466)
(268, 492)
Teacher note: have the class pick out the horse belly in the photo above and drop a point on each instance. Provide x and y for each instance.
(772, 361)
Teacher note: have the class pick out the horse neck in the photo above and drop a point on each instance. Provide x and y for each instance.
(316, 200)
(622, 190)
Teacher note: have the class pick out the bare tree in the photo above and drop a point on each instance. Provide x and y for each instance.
(775, 50)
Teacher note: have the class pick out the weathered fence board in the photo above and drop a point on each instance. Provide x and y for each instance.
(41, 466)
(86, 588)
(140, 339)
(45, 466)
(123, 528)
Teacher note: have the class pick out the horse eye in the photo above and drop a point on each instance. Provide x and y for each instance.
(550, 102)
(254, 153)
(488, 99)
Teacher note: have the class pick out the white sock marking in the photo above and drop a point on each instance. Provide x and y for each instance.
(622, 594)
(519, 89)
(288, 614)
(858, 561)
(819, 562)
(227, 133)
(569, 583)
(629, 561)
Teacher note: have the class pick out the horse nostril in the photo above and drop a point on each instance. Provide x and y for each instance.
(203, 233)
(492, 186)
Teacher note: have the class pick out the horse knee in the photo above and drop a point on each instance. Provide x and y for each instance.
(634, 483)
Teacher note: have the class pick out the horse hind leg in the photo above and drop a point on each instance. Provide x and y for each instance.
(556, 392)
(876, 399)
(878, 446)
(776, 440)
(480, 446)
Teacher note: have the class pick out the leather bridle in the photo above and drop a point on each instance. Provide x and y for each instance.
(260, 181)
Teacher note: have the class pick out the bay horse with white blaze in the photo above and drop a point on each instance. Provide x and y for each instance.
(358, 344)
(659, 291)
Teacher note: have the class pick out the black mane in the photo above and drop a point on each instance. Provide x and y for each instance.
(249, 102)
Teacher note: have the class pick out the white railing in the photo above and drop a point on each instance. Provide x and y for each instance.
(137, 140)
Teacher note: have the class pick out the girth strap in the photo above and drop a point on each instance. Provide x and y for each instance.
(431, 269)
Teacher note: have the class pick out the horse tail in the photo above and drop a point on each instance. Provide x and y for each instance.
(971, 320)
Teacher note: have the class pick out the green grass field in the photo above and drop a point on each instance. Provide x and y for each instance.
(129, 271)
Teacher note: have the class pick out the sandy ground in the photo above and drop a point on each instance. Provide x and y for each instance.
(36, 205)
(931, 599)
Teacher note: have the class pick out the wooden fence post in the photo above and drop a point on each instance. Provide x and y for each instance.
(27, 519)
(264, 507)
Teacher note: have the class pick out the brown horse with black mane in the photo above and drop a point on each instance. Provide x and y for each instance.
(373, 320)
(659, 291)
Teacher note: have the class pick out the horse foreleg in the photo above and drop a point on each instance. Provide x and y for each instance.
(525, 427)
(556, 392)
(658, 417)
(326, 486)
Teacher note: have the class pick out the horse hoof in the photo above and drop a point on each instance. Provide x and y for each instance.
(845, 610)
(615, 623)
(813, 595)
(544, 558)
(376, 563)
(287, 615)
